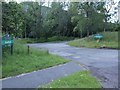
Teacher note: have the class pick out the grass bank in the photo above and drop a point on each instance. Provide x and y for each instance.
(110, 40)
(81, 79)
(22, 62)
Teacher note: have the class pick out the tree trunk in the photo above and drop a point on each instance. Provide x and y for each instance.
(104, 30)
(81, 34)
(88, 33)
(25, 34)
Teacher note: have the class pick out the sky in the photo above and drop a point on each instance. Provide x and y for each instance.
(61, 0)
(113, 18)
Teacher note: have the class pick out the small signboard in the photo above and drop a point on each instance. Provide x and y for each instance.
(98, 36)
(7, 40)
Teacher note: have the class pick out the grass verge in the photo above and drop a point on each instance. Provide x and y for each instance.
(82, 79)
(22, 62)
(110, 40)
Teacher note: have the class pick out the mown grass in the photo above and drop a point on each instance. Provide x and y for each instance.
(82, 79)
(110, 40)
(22, 62)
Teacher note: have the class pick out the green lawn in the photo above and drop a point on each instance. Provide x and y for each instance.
(22, 62)
(81, 79)
(110, 40)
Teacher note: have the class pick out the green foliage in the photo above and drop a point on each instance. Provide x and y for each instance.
(50, 39)
(60, 38)
(34, 20)
(87, 20)
(56, 21)
(81, 79)
(12, 17)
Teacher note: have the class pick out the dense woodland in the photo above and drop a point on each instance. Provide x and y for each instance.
(73, 19)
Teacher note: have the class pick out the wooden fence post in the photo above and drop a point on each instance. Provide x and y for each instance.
(28, 49)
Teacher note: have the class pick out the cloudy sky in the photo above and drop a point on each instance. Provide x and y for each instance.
(112, 10)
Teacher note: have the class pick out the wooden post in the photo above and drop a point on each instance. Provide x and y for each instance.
(28, 49)
(11, 49)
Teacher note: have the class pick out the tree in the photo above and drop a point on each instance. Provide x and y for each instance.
(33, 20)
(56, 20)
(12, 18)
(88, 19)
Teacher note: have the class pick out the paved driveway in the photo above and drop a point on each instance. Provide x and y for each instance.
(103, 63)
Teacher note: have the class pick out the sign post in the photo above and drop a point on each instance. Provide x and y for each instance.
(11, 49)
(98, 37)
(7, 40)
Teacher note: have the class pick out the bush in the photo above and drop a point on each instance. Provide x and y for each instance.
(60, 38)
(42, 39)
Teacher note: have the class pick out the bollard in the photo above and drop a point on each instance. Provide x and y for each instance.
(11, 49)
(28, 49)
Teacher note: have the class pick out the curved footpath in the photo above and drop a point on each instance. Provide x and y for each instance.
(34, 79)
(102, 63)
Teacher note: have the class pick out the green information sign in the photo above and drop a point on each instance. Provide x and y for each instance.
(98, 36)
(7, 40)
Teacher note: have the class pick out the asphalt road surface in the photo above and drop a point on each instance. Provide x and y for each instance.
(38, 78)
(103, 63)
